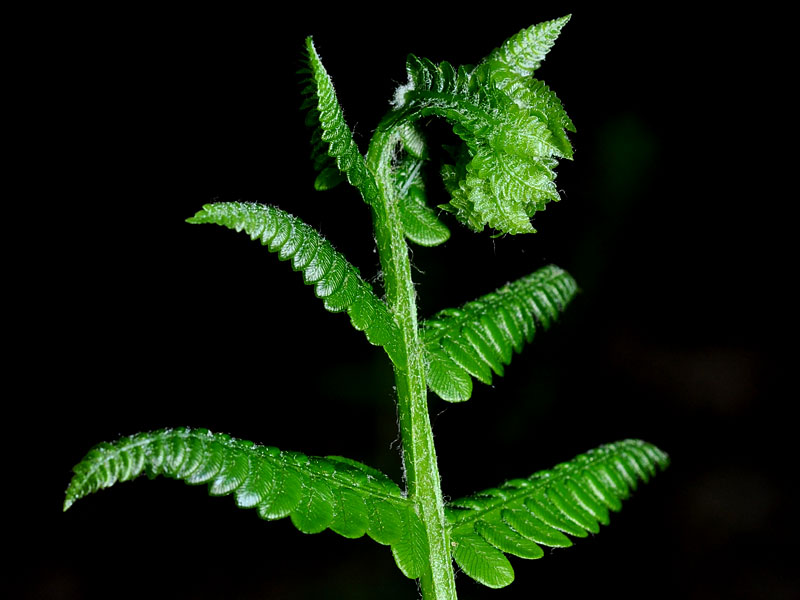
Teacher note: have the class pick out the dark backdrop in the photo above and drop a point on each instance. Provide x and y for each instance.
(133, 320)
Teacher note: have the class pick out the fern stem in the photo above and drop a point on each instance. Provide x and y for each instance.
(419, 454)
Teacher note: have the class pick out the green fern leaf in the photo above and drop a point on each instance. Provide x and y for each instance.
(411, 551)
(479, 337)
(523, 53)
(335, 281)
(572, 498)
(335, 153)
(482, 561)
(512, 128)
(503, 191)
(420, 223)
(537, 98)
(316, 493)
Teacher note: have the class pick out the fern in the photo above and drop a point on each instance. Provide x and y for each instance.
(315, 493)
(571, 498)
(420, 223)
(512, 129)
(510, 137)
(479, 337)
(335, 281)
(336, 153)
(523, 53)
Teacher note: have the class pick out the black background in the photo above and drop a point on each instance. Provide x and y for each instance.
(125, 318)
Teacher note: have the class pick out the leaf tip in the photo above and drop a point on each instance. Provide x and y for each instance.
(200, 216)
(69, 500)
(311, 49)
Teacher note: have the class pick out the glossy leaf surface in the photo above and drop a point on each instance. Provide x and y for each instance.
(512, 128)
(335, 280)
(522, 54)
(573, 498)
(420, 222)
(315, 493)
(479, 337)
(335, 153)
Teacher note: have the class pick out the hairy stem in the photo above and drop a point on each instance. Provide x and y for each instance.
(419, 453)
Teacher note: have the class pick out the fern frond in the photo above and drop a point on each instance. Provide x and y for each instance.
(335, 153)
(523, 53)
(512, 128)
(316, 493)
(537, 98)
(335, 280)
(503, 191)
(420, 223)
(479, 337)
(571, 498)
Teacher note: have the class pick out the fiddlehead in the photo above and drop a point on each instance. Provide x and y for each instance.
(512, 129)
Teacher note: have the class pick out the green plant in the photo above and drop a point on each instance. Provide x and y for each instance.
(511, 129)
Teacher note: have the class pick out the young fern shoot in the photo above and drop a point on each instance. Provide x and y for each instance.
(512, 129)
